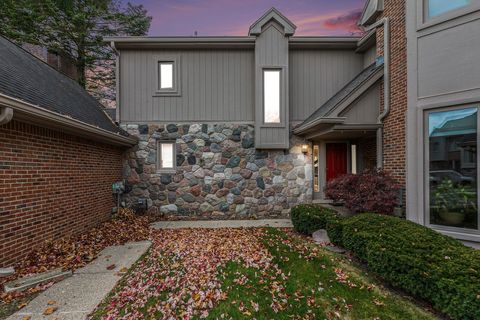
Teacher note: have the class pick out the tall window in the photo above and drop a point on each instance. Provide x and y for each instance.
(453, 168)
(166, 155)
(439, 7)
(166, 75)
(271, 96)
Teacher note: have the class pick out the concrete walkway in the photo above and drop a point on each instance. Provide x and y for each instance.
(213, 224)
(79, 295)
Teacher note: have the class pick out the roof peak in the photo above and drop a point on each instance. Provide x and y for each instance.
(272, 14)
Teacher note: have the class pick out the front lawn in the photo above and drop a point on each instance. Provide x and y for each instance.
(245, 274)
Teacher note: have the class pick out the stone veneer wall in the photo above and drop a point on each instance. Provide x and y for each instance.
(219, 172)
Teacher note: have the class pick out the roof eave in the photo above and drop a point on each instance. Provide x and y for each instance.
(31, 113)
(180, 42)
(367, 41)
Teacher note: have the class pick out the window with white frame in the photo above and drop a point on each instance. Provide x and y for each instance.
(271, 95)
(452, 176)
(166, 155)
(437, 8)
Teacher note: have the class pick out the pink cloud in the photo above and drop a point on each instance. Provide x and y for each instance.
(346, 21)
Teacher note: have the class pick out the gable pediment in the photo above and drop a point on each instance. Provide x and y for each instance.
(276, 16)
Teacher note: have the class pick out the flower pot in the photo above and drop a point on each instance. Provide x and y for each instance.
(452, 218)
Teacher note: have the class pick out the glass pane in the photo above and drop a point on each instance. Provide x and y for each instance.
(439, 7)
(271, 91)
(453, 168)
(167, 155)
(166, 75)
(316, 186)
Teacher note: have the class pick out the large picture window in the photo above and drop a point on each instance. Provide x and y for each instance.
(271, 96)
(439, 7)
(452, 165)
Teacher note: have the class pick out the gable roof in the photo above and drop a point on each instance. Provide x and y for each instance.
(272, 14)
(357, 86)
(370, 12)
(29, 79)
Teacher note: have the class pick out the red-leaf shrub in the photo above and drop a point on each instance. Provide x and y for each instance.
(370, 191)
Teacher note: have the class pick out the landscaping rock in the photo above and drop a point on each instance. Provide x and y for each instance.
(321, 237)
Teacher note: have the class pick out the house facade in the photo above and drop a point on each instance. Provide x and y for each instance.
(237, 127)
(251, 126)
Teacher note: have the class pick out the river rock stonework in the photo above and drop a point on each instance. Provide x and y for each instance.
(219, 173)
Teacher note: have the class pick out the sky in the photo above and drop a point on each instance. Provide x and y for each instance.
(233, 17)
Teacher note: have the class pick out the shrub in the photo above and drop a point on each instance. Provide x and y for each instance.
(308, 218)
(370, 191)
(419, 260)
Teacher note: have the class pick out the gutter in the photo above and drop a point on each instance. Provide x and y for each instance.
(302, 129)
(385, 22)
(35, 114)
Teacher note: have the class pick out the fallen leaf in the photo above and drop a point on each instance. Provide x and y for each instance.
(49, 311)
(22, 305)
(51, 302)
(26, 318)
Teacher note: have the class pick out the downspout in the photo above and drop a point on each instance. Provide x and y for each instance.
(6, 115)
(385, 22)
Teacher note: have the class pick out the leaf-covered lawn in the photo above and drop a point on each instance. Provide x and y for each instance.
(248, 274)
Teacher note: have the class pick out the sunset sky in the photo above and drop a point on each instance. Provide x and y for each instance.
(233, 17)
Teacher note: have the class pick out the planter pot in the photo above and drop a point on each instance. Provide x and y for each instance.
(452, 218)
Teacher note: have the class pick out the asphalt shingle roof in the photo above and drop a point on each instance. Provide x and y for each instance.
(348, 89)
(27, 78)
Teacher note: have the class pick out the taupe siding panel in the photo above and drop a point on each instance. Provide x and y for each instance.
(365, 109)
(448, 61)
(215, 85)
(369, 56)
(316, 75)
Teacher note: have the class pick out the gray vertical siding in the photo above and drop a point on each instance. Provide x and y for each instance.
(369, 56)
(215, 85)
(365, 109)
(316, 75)
(271, 51)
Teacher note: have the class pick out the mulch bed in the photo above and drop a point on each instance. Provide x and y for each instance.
(71, 253)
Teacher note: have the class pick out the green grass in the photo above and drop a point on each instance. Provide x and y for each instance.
(311, 289)
(308, 283)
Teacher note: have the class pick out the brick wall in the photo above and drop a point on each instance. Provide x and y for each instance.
(51, 185)
(394, 139)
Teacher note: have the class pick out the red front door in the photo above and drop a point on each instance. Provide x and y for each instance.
(336, 160)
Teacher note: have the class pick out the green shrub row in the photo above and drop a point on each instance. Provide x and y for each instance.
(419, 260)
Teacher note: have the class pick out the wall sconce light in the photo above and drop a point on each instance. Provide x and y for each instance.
(304, 148)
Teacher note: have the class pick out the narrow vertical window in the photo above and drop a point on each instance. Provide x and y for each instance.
(354, 158)
(166, 75)
(452, 157)
(271, 96)
(166, 155)
(439, 7)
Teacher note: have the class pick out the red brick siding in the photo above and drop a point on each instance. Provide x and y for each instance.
(394, 139)
(51, 185)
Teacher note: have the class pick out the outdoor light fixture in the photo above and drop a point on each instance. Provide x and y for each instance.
(304, 148)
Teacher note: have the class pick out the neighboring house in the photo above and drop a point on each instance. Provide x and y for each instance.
(59, 155)
(442, 118)
(245, 126)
